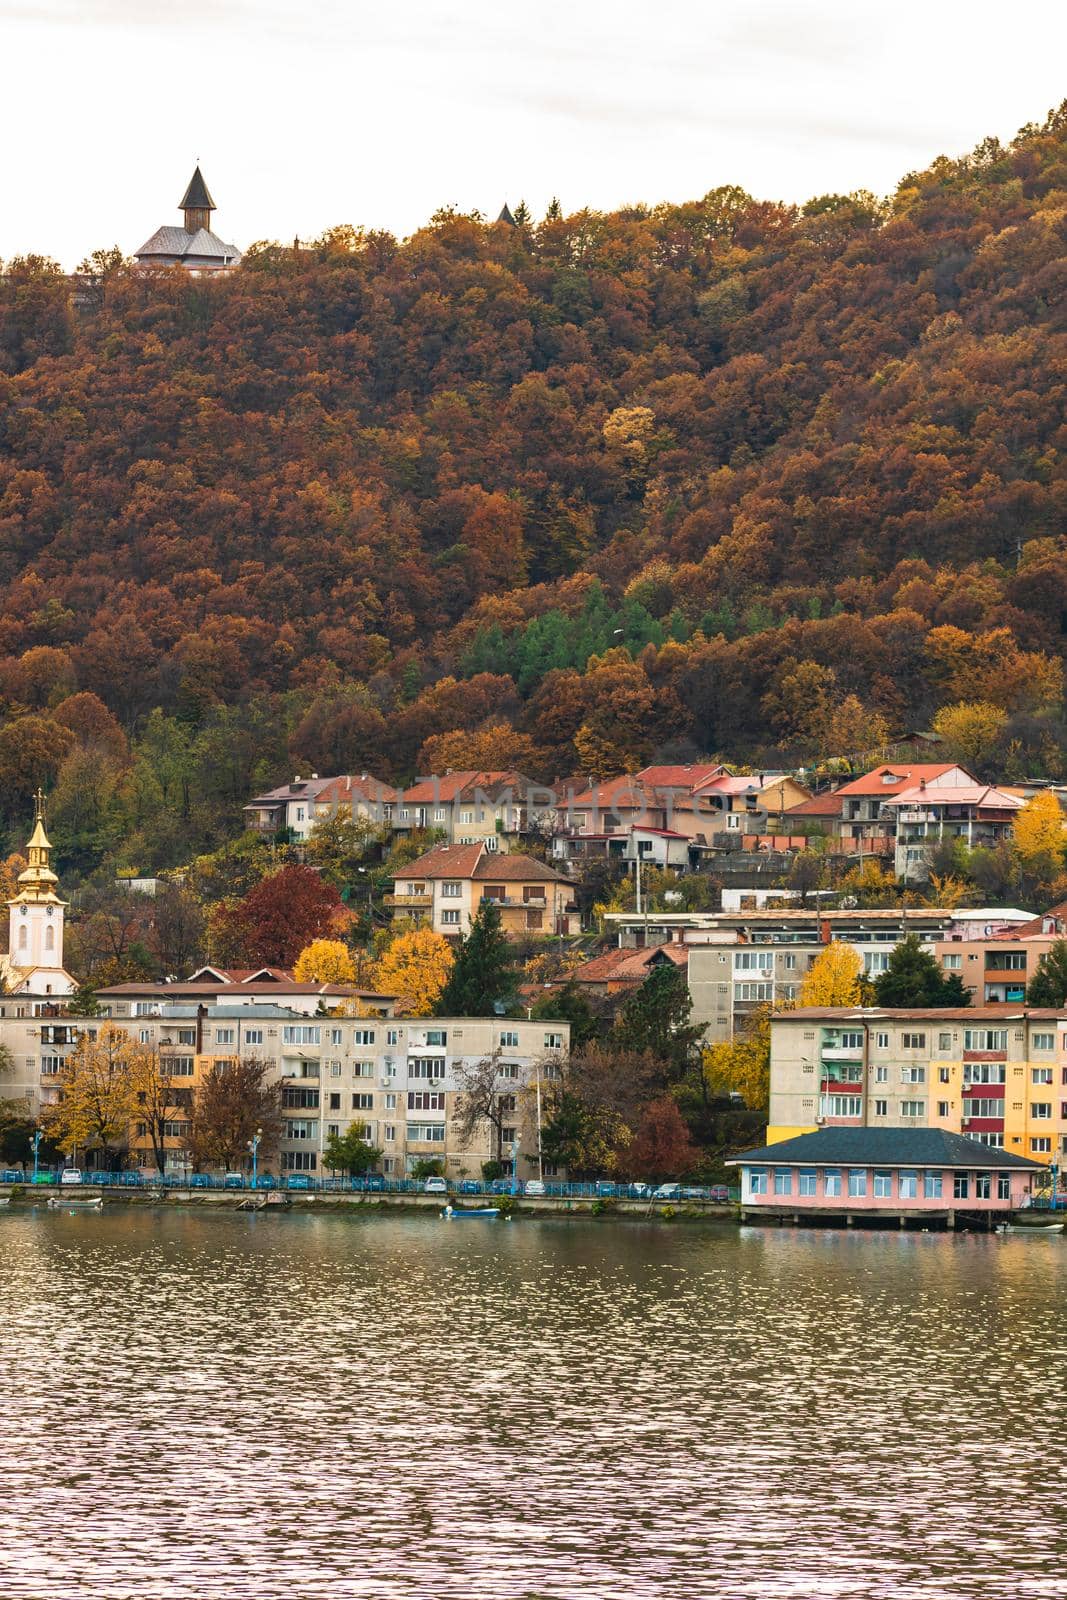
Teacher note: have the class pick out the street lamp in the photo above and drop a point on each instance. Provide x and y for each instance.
(515, 1167)
(253, 1145)
(37, 1137)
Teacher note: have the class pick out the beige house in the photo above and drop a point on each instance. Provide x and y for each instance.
(494, 808)
(444, 888)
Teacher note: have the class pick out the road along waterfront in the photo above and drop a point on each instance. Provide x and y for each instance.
(218, 1406)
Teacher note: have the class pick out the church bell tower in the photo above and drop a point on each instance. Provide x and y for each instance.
(35, 928)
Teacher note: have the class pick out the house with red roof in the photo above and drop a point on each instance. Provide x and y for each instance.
(444, 888)
(494, 808)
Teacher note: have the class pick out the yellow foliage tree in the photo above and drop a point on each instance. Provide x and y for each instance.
(742, 1065)
(97, 1093)
(325, 961)
(1038, 830)
(971, 731)
(415, 967)
(854, 730)
(835, 978)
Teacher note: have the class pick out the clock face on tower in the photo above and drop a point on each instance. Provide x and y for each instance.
(50, 909)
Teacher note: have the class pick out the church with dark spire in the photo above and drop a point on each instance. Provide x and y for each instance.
(194, 245)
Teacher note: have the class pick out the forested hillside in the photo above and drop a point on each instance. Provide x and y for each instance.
(728, 476)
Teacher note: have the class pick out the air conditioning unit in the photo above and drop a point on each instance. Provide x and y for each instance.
(820, 1117)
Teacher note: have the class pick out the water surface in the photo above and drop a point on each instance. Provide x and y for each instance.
(251, 1407)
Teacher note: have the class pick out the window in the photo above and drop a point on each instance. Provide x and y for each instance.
(426, 1132)
(876, 961)
(466, 817)
(301, 1128)
(913, 1041)
(932, 1185)
(883, 1186)
(983, 1072)
(857, 1183)
(952, 963)
(449, 919)
(790, 963)
(944, 1041)
(757, 1182)
(509, 1039)
(881, 1074)
(335, 1102)
(783, 1180)
(301, 1033)
(850, 1041)
(983, 1185)
(299, 1160)
(913, 1075)
(753, 960)
(840, 1105)
(389, 1133)
(943, 1075)
(300, 1099)
(253, 1036)
(907, 1185)
(186, 1035)
(995, 1141)
(913, 1108)
(450, 890)
(436, 1036)
(553, 1041)
(733, 821)
(225, 1035)
(807, 1183)
(1003, 1186)
(960, 1186)
(882, 1041)
(50, 1065)
(392, 1035)
(881, 1108)
(429, 1067)
(363, 1069)
(362, 1102)
(1041, 1110)
(831, 1182)
(336, 1036)
(942, 1108)
(754, 991)
(993, 1039)
(1043, 1041)
(1040, 1147)
(426, 1100)
(440, 815)
(361, 1035)
(1006, 960)
(179, 1066)
(390, 1102)
(1040, 1074)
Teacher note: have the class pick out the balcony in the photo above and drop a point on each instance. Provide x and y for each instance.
(842, 1052)
(409, 902)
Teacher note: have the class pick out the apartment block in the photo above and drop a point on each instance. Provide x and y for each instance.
(997, 1074)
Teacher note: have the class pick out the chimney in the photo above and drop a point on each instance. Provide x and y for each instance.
(824, 932)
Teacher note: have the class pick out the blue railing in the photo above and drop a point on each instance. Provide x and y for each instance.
(304, 1183)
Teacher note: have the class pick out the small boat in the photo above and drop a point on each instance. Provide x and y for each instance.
(454, 1213)
(1034, 1227)
(93, 1203)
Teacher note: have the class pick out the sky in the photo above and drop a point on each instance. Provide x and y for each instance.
(304, 114)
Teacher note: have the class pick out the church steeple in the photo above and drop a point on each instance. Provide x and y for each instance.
(35, 929)
(37, 885)
(197, 204)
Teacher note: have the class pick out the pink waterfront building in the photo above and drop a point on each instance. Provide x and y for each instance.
(892, 1176)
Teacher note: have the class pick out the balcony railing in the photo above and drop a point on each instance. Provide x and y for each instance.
(409, 901)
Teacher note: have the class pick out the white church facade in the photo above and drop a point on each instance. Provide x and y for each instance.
(33, 965)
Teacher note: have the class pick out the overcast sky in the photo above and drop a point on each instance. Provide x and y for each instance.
(306, 113)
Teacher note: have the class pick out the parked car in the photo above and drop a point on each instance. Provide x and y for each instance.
(535, 1187)
(369, 1182)
(605, 1189)
(11, 1175)
(199, 1180)
(668, 1191)
(45, 1177)
(719, 1193)
(637, 1191)
(469, 1186)
(234, 1180)
(70, 1175)
(502, 1186)
(435, 1186)
(694, 1191)
(298, 1180)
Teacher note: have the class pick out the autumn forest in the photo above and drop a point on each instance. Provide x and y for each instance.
(729, 477)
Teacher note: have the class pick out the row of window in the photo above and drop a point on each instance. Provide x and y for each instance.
(780, 1182)
(986, 1039)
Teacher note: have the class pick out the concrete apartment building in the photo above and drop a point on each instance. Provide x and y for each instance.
(399, 1077)
(759, 958)
(997, 1074)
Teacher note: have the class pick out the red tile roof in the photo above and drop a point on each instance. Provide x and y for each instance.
(820, 805)
(352, 788)
(617, 966)
(475, 862)
(905, 775)
(454, 786)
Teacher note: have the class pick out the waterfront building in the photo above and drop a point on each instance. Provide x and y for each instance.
(33, 970)
(884, 1175)
(997, 1074)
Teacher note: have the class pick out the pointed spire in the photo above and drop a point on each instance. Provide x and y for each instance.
(506, 216)
(197, 197)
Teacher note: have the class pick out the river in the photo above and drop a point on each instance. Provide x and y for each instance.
(251, 1407)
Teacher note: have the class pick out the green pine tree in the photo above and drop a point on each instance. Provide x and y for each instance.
(569, 1004)
(914, 978)
(1048, 987)
(483, 977)
(656, 1018)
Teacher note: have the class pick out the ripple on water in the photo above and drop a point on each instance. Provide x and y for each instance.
(243, 1408)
